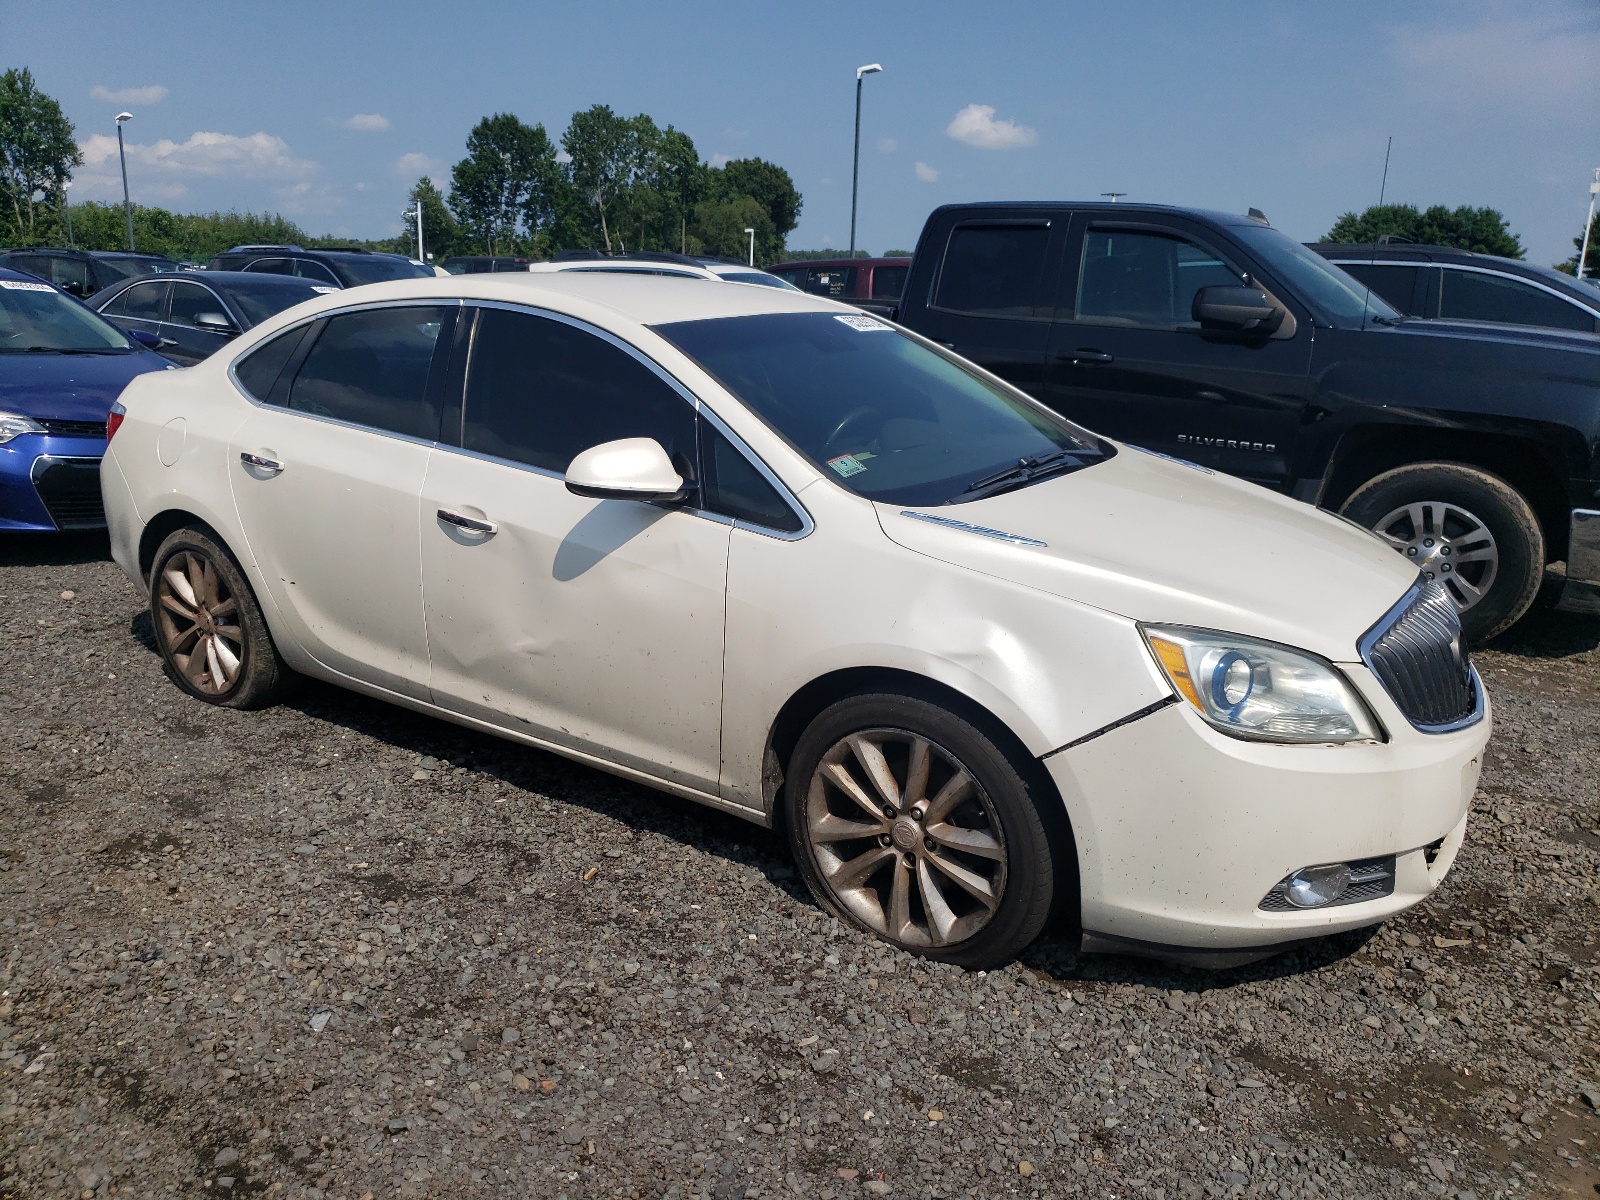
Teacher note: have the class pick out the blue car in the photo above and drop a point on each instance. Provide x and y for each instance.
(61, 367)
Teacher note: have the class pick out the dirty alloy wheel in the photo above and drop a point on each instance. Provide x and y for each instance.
(915, 826)
(1469, 530)
(210, 629)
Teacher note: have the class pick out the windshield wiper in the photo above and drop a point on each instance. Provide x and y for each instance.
(59, 350)
(1026, 471)
(1380, 319)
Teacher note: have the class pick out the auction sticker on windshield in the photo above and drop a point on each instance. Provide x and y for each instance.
(17, 285)
(847, 465)
(864, 324)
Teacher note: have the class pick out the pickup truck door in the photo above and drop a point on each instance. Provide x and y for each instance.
(990, 298)
(1126, 359)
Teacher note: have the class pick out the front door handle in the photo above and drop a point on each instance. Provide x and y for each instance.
(270, 466)
(1214, 397)
(1086, 357)
(946, 345)
(470, 524)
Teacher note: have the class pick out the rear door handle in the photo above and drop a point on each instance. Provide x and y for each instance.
(269, 465)
(946, 345)
(1085, 357)
(470, 524)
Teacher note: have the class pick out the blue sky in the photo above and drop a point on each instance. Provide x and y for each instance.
(329, 112)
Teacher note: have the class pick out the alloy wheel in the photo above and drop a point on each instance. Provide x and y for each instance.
(905, 838)
(198, 619)
(1447, 543)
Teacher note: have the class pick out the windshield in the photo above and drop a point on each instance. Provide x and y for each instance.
(758, 277)
(35, 318)
(875, 410)
(1337, 294)
(270, 296)
(381, 270)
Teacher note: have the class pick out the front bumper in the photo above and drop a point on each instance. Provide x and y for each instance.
(49, 483)
(1182, 831)
(1582, 591)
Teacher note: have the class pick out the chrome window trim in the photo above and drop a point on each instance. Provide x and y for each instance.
(1382, 626)
(694, 401)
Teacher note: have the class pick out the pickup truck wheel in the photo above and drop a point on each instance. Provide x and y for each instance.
(914, 825)
(1466, 528)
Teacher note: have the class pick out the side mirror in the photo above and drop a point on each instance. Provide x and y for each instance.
(215, 322)
(1243, 309)
(145, 338)
(627, 469)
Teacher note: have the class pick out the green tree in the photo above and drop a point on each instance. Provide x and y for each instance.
(681, 180)
(439, 230)
(1464, 228)
(719, 228)
(606, 154)
(192, 236)
(769, 185)
(37, 155)
(502, 193)
(1591, 268)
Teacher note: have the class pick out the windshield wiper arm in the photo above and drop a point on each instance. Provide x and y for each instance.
(1027, 470)
(58, 350)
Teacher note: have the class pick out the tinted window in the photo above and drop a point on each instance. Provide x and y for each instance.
(189, 300)
(735, 488)
(314, 271)
(1477, 296)
(992, 269)
(371, 368)
(874, 410)
(888, 282)
(70, 275)
(1145, 279)
(1316, 279)
(272, 266)
(266, 297)
(34, 316)
(259, 370)
(1394, 284)
(541, 392)
(793, 277)
(143, 301)
(126, 268)
(831, 281)
(379, 268)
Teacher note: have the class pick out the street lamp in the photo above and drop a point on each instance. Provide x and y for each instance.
(855, 171)
(66, 208)
(752, 234)
(127, 205)
(1115, 196)
(1583, 255)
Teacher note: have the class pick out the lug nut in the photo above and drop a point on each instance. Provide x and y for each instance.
(883, 839)
(1411, 551)
(928, 844)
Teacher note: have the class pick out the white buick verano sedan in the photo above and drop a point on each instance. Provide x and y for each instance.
(761, 550)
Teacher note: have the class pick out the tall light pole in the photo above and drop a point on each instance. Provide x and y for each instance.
(1583, 255)
(855, 171)
(416, 211)
(1115, 196)
(127, 205)
(66, 208)
(752, 234)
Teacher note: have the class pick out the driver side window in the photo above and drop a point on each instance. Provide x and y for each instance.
(1145, 280)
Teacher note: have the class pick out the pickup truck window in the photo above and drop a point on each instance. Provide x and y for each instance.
(1479, 296)
(1317, 281)
(993, 269)
(888, 282)
(1145, 279)
(831, 281)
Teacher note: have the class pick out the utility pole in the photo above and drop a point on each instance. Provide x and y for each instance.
(855, 171)
(127, 205)
(66, 208)
(1583, 255)
(752, 234)
(1384, 186)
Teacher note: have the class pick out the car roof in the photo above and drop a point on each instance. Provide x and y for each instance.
(1107, 207)
(622, 266)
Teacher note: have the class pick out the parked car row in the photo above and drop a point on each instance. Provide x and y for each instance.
(763, 550)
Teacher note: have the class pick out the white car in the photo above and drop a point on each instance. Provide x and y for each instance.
(765, 551)
(680, 266)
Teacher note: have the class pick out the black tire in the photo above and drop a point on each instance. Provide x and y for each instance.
(1502, 511)
(1009, 805)
(199, 596)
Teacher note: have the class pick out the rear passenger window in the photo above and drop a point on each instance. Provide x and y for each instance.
(371, 368)
(141, 301)
(735, 488)
(1395, 284)
(541, 392)
(993, 269)
(1479, 296)
(888, 282)
(258, 371)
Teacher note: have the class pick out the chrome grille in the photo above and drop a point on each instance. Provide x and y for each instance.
(1370, 879)
(1418, 654)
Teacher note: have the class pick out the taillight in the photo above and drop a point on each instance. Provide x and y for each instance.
(114, 420)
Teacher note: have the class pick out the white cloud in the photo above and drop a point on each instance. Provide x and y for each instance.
(976, 126)
(366, 122)
(1533, 59)
(563, 157)
(163, 170)
(720, 160)
(926, 173)
(887, 145)
(409, 166)
(134, 95)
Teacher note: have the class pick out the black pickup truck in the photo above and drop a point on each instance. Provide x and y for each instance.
(1473, 449)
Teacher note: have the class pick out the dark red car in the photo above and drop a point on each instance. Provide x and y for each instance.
(871, 283)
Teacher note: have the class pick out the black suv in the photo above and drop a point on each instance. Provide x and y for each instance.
(348, 267)
(1438, 281)
(1472, 449)
(82, 273)
(483, 264)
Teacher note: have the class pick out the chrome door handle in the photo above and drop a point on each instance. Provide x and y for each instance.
(470, 524)
(270, 465)
(1086, 357)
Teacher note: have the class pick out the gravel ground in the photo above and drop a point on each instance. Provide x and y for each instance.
(339, 950)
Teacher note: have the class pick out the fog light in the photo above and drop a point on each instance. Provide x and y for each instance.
(1312, 887)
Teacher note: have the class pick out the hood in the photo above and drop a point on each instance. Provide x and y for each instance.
(70, 387)
(1157, 540)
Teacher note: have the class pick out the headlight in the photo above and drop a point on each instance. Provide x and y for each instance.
(15, 424)
(1259, 690)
